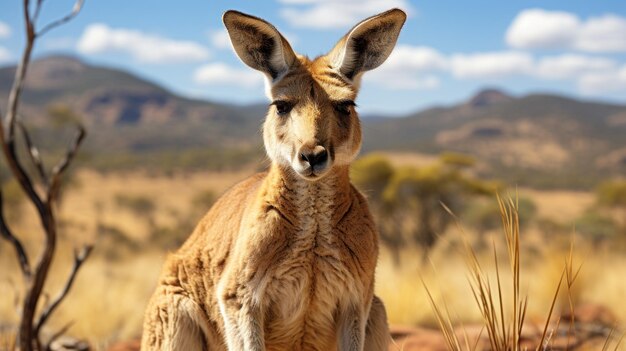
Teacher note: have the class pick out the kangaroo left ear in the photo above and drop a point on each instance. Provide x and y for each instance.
(368, 44)
(259, 44)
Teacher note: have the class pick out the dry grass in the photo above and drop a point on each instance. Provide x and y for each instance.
(498, 297)
(171, 195)
(106, 302)
(109, 296)
(504, 331)
(600, 281)
(559, 205)
(409, 158)
(114, 303)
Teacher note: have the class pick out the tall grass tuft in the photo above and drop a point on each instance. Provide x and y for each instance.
(503, 314)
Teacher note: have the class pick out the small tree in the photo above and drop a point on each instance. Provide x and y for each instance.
(597, 227)
(142, 206)
(372, 174)
(42, 197)
(613, 194)
(409, 200)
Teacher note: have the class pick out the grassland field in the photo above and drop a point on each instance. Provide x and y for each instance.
(111, 291)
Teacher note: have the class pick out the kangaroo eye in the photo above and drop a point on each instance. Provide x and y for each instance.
(343, 107)
(282, 107)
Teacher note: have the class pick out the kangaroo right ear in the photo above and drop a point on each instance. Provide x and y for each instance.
(368, 44)
(258, 44)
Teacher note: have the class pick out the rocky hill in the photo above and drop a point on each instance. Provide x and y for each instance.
(109, 99)
(553, 140)
(561, 141)
(132, 121)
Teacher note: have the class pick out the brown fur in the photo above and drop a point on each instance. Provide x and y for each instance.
(285, 260)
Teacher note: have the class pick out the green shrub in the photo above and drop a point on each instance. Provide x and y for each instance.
(596, 226)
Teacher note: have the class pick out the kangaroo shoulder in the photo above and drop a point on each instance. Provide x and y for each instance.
(221, 222)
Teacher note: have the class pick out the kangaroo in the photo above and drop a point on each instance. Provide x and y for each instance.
(285, 260)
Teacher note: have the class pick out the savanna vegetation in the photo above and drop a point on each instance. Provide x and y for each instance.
(137, 206)
(138, 193)
(136, 217)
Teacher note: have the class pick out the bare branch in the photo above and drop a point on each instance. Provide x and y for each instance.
(20, 73)
(58, 334)
(17, 244)
(78, 5)
(58, 170)
(27, 339)
(79, 259)
(7, 137)
(37, 10)
(28, 21)
(33, 152)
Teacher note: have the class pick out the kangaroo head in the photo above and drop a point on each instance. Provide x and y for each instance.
(312, 124)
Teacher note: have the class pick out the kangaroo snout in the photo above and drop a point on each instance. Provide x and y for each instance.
(312, 161)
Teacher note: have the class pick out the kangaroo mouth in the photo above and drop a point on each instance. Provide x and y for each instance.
(313, 173)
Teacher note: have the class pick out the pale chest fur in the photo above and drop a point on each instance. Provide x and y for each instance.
(310, 279)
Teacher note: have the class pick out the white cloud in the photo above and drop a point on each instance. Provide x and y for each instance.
(541, 29)
(571, 66)
(409, 67)
(513, 63)
(537, 28)
(419, 68)
(491, 64)
(416, 57)
(596, 83)
(5, 30)
(147, 48)
(603, 34)
(325, 14)
(591, 74)
(5, 55)
(220, 39)
(220, 73)
(406, 82)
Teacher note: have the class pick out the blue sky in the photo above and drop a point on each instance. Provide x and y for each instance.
(447, 51)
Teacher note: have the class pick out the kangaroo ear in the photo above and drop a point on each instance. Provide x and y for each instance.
(368, 44)
(258, 44)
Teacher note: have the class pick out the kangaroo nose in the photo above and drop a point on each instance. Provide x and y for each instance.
(315, 157)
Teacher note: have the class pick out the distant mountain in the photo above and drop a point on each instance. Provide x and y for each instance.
(540, 138)
(127, 112)
(561, 140)
(488, 97)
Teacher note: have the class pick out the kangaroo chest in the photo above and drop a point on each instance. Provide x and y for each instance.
(311, 279)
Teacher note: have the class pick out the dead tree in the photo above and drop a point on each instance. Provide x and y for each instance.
(42, 197)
